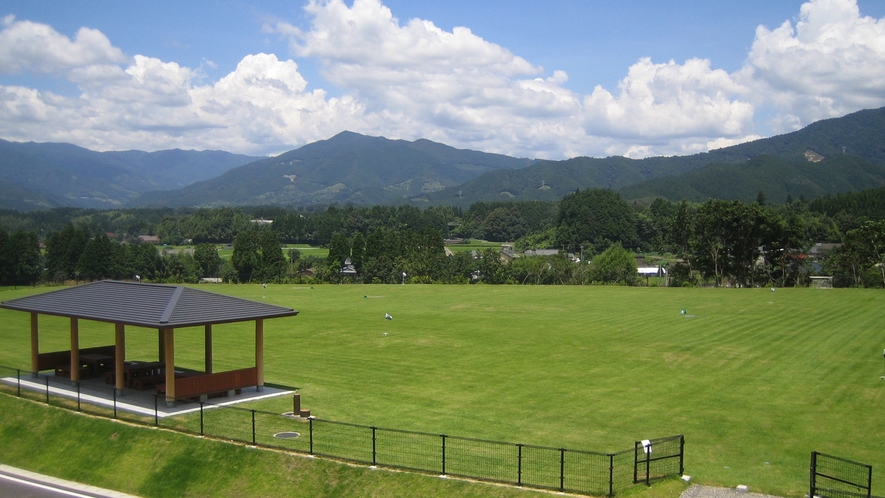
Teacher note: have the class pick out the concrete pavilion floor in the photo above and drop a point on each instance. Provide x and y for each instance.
(96, 392)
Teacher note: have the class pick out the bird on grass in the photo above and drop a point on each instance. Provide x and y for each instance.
(387, 316)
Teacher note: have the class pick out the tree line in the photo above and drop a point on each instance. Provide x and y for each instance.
(595, 231)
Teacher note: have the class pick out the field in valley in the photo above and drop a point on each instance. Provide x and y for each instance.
(754, 379)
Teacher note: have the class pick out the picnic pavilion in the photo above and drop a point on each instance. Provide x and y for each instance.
(165, 308)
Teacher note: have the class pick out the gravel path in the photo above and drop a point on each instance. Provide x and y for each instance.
(696, 491)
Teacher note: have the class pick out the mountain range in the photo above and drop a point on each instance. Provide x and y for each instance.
(46, 175)
(831, 156)
(347, 168)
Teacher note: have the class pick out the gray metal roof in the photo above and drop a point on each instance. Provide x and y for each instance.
(146, 305)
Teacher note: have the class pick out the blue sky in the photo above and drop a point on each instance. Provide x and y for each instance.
(553, 78)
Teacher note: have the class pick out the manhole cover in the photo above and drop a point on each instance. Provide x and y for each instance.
(287, 435)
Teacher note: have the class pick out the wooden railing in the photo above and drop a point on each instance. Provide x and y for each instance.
(48, 361)
(205, 384)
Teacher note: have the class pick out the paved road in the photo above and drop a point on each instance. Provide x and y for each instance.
(23, 484)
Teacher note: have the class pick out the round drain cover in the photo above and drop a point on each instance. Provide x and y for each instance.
(287, 435)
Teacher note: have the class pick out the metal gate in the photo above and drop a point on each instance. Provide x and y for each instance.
(658, 458)
(834, 477)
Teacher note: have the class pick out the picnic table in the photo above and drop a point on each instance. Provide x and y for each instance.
(97, 363)
(143, 371)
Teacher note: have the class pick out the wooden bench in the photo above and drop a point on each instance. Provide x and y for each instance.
(147, 381)
(65, 371)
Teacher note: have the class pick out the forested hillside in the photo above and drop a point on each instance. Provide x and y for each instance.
(594, 234)
(348, 168)
(45, 175)
(776, 177)
(851, 145)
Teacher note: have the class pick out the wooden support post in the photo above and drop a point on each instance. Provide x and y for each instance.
(35, 346)
(162, 348)
(169, 342)
(119, 356)
(208, 347)
(75, 351)
(259, 352)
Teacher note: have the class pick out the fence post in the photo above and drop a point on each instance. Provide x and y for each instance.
(78, 397)
(115, 399)
(648, 466)
(443, 436)
(253, 427)
(519, 465)
(47, 389)
(813, 472)
(636, 462)
(561, 469)
(310, 420)
(156, 412)
(201, 419)
(18, 382)
(681, 454)
(611, 475)
(374, 459)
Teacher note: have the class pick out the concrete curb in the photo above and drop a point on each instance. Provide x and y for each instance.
(27, 475)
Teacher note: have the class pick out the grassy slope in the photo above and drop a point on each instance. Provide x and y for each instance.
(755, 380)
(153, 463)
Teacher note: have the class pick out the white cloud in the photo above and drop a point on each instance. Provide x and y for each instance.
(29, 46)
(670, 101)
(830, 63)
(460, 89)
(414, 80)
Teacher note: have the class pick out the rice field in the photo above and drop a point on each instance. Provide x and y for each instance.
(754, 379)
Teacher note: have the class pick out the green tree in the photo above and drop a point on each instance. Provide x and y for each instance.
(98, 259)
(595, 218)
(144, 260)
(358, 251)
(245, 257)
(206, 256)
(271, 262)
(181, 268)
(339, 250)
(63, 251)
(786, 242)
(27, 260)
(862, 255)
(490, 268)
(6, 258)
(502, 225)
(615, 264)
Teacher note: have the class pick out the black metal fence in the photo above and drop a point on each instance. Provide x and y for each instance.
(559, 469)
(656, 459)
(835, 477)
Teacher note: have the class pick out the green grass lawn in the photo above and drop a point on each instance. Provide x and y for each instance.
(474, 245)
(159, 463)
(225, 251)
(754, 379)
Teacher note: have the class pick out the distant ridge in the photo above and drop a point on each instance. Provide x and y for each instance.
(45, 175)
(347, 168)
(848, 156)
(859, 136)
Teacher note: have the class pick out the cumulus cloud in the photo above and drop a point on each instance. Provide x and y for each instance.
(671, 101)
(830, 63)
(412, 79)
(29, 46)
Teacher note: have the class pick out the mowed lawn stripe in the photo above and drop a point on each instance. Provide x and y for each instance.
(755, 379)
